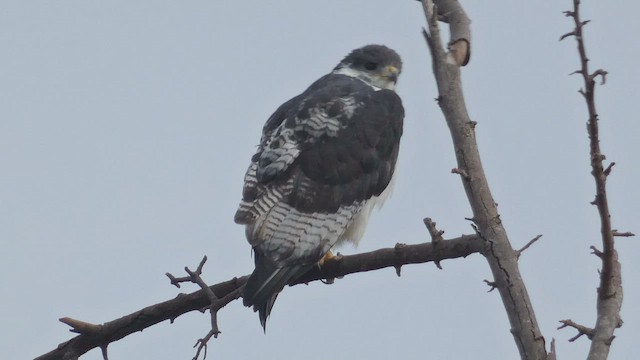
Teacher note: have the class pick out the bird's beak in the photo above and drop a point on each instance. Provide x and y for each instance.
(391, 72)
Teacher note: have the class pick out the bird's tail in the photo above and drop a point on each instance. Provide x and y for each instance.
(266, 282)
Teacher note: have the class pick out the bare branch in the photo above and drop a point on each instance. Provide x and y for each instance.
(500, 255)
(176, 281)
(610, 289)
(230, 290)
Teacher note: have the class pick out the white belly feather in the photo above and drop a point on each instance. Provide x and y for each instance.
(356, 229)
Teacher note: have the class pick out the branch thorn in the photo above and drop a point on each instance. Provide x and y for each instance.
(103, 349)
(398, 269)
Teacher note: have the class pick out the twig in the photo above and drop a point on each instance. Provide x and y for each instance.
(607, 171)
(596, 252)
(177, 280)
(493, 285)
(527, 245)
(602, 73)
(214, 304)
(582, 330)
(436, 236)
(616, 233)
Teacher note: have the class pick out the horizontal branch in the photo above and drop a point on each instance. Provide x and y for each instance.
(343, 265)
(137, 321)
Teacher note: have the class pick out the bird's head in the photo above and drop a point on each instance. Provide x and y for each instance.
(377, 65)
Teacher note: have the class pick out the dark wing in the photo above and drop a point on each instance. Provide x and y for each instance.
(355, 164)
(322, 156)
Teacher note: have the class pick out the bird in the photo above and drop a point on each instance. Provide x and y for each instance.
(326, 157)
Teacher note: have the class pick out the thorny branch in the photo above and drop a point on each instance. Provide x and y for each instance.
(215, 303)
(610, 289)
(228, 291)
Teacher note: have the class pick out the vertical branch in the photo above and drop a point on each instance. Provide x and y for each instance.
(610, 289)
(502, 258)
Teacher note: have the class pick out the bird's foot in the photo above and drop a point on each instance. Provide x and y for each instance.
(329, 257)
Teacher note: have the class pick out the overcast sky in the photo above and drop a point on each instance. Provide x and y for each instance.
(126, 128)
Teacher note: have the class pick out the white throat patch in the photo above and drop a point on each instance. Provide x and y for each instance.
(376, 83)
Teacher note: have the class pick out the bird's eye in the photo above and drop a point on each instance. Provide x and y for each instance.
(370, 65)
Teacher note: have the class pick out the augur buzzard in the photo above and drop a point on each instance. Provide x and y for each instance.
(325, 158)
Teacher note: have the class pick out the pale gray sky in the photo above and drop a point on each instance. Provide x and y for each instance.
(126, 128)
